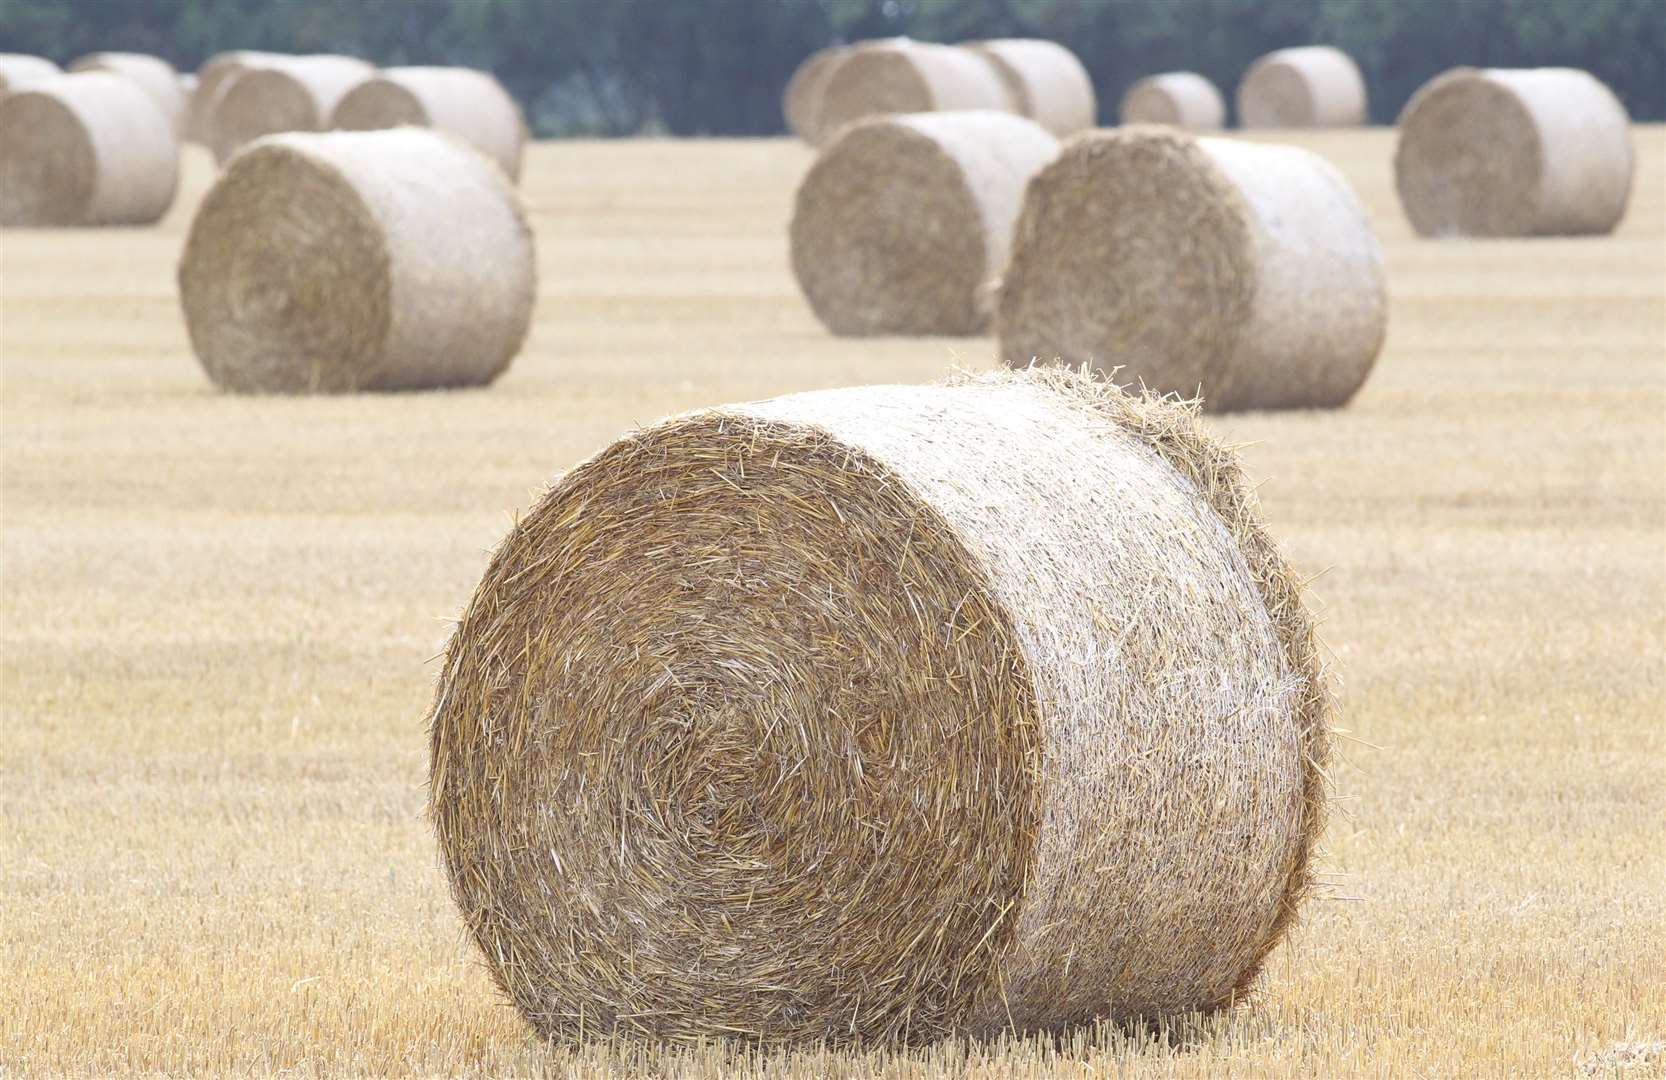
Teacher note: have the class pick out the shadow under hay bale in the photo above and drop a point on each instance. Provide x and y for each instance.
(900, 76)
(884, 714)
(1534, 152)
(903, 221)
(1248, 271)
(469, 104)
(1182, 99)
(1310, 86)
(277, 94)
(312, 266)
(156, 75)
(20, 69)
(85, 149)
(1045, 81)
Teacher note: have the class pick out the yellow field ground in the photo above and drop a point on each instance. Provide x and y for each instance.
(220, 614)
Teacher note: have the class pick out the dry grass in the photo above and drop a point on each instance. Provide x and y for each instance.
(220, 612)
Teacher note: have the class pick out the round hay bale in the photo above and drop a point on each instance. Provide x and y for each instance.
(1311, 86)
(212, 78)
(884, 713)
(1045, 81)
(313, 265)
(1535, 152)
(899, 76)
(155, 74)
(801, 100)
(469, 104)
(1182, 99)
(85, 149)
(19, 69)
(277, 94)
(1247, 270)
(903, 221)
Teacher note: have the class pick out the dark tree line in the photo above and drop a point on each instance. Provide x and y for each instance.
(717, 66)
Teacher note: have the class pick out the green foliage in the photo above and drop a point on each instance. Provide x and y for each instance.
(718, 66)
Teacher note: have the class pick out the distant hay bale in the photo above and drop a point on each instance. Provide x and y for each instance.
(155, 74)
(903, 221)
(1311, 86)
(1247, 270)
(900, 76)
(1045, 81)
(382, 260)
(85, 149)
(469, 104)
(801, 100)
(884, 713)
(1182, 99)
(212, 78)
(1535, 152)
(19, 70)
(278, 94)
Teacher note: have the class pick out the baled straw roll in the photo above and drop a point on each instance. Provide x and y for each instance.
(904, 220)
(1310, 86)
(1182, 99)
(1045, 81)
(155, 74)
(1535, 152)
(381, 260)
(1247, 270)
(801, 100)
(901, 76)
(85, 149)
(20, 69)
(212, 79)
(469, 104)
(283, 93)
(884, 713)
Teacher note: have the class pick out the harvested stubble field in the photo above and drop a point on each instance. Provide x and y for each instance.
(221, 614)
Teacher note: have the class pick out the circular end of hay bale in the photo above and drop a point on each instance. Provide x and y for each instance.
(1181, 99)
(801, 99)
(463, 102)
(48, 167)
(765, 722)
(1132, 250)
(380, 103)
(902, 220)
(285, 277)
(260, 101)
(898, 76)
(1310, 86)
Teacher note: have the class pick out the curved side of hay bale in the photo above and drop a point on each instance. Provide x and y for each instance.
(903, 220)
(311, 266)
(85, 149)
(1247, 271)
(155, 74)
(1309, 86)
(1045, 81)
(1182, 99)
(826, 694)
(801, 99)
(891, 77)
(280, 93)
(1544, 151)
(469, 104)
(20, 69)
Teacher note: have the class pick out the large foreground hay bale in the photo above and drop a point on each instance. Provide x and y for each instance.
(900, 76)
(277, 94)
(155, 74)
(20, 69)
(884, 712)
(801, 100)
(383, 260)
(904, 220)
(1543, 151)
(1310, 86)
(1045, 81)
(1182, 99)
(469, 104)
(85, 149)
(1247, 270)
